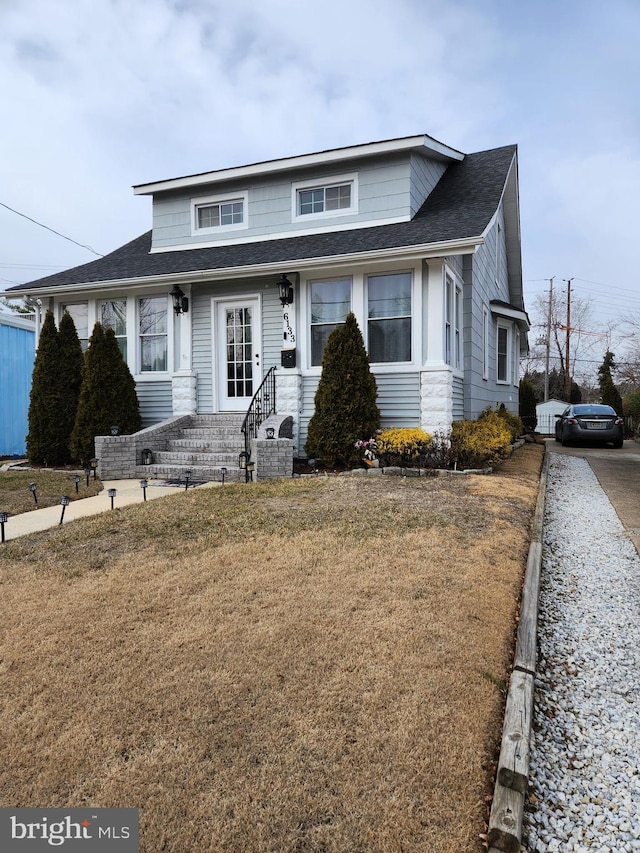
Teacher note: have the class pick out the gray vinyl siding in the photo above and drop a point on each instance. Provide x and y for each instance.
(458, 399)
(480, 287)
(425, 174)
(388, 188)
(156, 401)
(203, 337)
(398, 401)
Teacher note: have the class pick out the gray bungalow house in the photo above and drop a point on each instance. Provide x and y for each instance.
(246, 271)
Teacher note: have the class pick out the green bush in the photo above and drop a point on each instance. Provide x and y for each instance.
(527, 406)
(476, 444)
(403, 446)
(345, 402)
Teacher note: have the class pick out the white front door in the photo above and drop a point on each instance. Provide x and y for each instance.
(238, 353)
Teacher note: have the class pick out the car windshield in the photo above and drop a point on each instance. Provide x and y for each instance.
(593, 410)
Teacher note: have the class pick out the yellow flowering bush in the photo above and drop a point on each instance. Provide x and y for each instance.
(402, 446)
(513, 422)
(476, 444)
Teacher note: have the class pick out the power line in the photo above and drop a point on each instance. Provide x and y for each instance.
(53, 231)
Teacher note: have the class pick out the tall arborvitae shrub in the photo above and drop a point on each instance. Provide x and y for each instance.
(45, 440)
(107, 396)
(609, 394)
(345, 401)
(527, 406)
(69, 376)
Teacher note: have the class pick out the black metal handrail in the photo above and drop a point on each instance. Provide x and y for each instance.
(262, 406)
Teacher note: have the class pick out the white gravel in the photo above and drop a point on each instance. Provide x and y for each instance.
(585, 782)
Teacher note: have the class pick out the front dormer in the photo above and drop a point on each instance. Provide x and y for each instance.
(342, 189)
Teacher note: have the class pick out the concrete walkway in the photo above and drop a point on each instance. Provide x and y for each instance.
(127, 492)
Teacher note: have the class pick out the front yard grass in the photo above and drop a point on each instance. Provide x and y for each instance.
(16, 497)
(303, 665)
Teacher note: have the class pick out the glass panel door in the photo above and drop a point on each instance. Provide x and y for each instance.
(238, 351)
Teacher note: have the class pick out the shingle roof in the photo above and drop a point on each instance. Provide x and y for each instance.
(460, 206)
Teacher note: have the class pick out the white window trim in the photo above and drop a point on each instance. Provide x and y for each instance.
(139, 374)
(228, 198)
(330, 181)
(508, 356)
(365, 331)
(485, 342)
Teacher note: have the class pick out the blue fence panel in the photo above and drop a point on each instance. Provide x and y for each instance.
(16, 366)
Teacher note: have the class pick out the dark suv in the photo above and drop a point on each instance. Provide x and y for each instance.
(587, 422)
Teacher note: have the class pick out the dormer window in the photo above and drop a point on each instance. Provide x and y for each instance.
(218, 213)
(332, 197)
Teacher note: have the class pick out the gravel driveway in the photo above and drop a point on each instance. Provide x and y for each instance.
(585, 791)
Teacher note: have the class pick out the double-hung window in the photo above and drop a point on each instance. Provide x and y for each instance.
(113, 315)
(452, 323)
(79, 312)
(502, 373)
(389, 317)
(330, 304)
(153, 334)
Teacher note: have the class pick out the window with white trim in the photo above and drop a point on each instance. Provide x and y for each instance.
(153, 334)
(79, 312)
(452, 322)
(332, 197)
(330, 304)
(485, 343)
(219, 213)
(502, 350)
(113, 315)
(516, 356)
(389, 317)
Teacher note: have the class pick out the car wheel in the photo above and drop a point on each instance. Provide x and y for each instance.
(617, 444)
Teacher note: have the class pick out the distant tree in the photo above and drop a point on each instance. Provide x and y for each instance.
(527, 406)
(345, 402)
(107, 395)
(46, 442)
(22, 305)
(609, 394)
(631, 406)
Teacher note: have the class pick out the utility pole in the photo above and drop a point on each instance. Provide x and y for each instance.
(567, 366)
(546, 363)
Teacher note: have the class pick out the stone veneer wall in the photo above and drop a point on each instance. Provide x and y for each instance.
(184, 391)
(289, 398)
(436, 399)
(119, 455)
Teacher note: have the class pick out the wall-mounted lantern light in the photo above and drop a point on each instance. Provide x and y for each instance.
(270, 432)
(115, 430)
(65, 500)
(4, 517)
(33, 488)
(243, 458)
(147, 456)
(180, 301)
(286, 291)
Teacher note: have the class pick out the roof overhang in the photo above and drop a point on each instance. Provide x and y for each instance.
(510, 312)
(396, 254)
(422, 144)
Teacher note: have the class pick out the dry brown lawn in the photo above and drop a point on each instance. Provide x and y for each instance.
(303, 665)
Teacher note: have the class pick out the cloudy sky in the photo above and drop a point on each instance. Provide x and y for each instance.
(97, 95)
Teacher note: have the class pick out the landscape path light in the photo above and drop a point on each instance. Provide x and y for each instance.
(34, 489)
(4, 517)
(251, 467)
(94, 464)
(65, 500)
(112, 493)
(223, 474)
(187, 477)
(76, 480)
(143, 486)
(115, 430)
(87, 474)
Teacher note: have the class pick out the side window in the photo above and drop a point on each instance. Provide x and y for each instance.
(80, 315)
(113, 315)
(330, 304)
(503, 354)
(389, 317)
(153, 334)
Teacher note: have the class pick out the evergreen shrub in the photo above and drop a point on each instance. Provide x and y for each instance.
(345, 407)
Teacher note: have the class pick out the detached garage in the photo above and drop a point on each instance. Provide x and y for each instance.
(546, 412)
(17, 351)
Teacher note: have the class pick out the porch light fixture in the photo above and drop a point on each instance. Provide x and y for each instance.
(112, 493)
(33, 488)
(180, 301)
(4, 517)
(143, 485)
(65, 500)
(286, 291)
